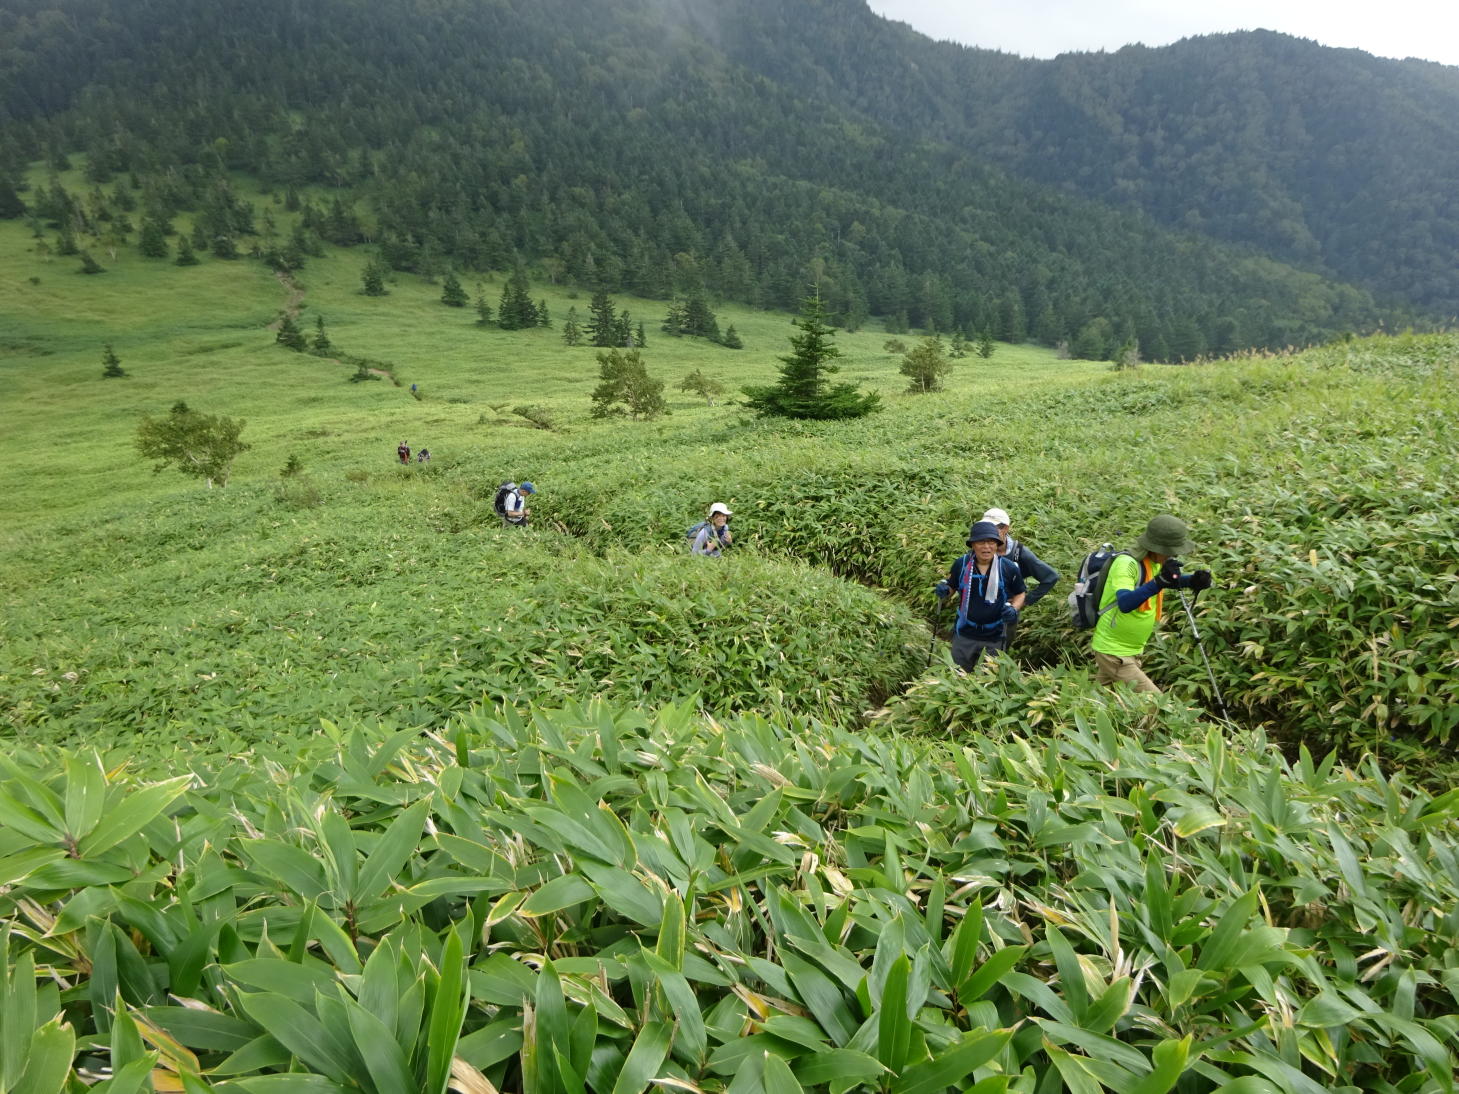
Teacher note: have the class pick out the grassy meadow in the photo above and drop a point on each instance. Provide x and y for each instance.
(333, 784)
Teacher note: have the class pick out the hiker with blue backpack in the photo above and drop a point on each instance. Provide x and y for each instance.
(510, 503)
(990, 593)
(1127, 591)
(710, 537)
(1029, 564)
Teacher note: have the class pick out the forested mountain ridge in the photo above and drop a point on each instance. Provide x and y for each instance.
(628, 145)
(1330, 158)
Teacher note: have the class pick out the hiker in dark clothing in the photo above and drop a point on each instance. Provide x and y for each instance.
(1028, 563)
(990, 592)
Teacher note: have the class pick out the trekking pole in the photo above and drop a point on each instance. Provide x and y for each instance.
(1215, 690)
(936, 626)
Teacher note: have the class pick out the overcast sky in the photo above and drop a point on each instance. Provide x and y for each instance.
(1044, 28)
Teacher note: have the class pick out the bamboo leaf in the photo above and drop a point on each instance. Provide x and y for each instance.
(136, 810)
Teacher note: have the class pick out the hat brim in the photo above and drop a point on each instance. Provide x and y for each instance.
(1180, 548)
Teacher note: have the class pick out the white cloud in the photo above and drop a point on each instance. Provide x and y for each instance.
(1044, 28)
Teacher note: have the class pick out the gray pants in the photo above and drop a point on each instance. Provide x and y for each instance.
(967, 652)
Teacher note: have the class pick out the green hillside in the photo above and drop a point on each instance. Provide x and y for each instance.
(651, 151)
(386, 797)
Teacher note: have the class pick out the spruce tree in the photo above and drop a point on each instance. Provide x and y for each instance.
(153, 240)
(602, 321)
(372, 279)
(225, 247)
(199, 237)
(290, 335)
(572, 332)
(640, 339)
(483, 309)
(985, 345)
(111, 364)
(731, 339)
(543, 318)
(803, 390)
(11, 206)
(452, 294)
(186, 256)
(320, 345)
(516, 310)
(89, 265)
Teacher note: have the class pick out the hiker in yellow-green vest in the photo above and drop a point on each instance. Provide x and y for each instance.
(1134, 594)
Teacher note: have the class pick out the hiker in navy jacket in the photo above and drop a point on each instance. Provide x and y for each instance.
(1029, 564)
(990, 593)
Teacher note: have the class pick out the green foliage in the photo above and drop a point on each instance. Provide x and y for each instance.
(528, 896)
(111, 364)
(319, 343)
(452, 294)
(201, 445)
(803, 390)
(625, 387)
(372, 279)
(89, 265)
(516, 311)
(985, 345)
(186, 256)
(707, 387)
(289, 335)
(925, 366)
(539, 416)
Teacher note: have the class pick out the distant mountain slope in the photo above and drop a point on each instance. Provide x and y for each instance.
(749, 147)
(1331, 158)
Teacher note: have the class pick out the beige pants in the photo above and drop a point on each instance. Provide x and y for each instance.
(1122, 670)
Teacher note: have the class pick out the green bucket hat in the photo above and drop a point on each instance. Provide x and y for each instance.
(1165, 535)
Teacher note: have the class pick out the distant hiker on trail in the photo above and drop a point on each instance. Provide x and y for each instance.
(1133, 596)
(403, 451)
(510, 503)
(712, 536)
(1028, 563)
(990, 593)
(424, 456)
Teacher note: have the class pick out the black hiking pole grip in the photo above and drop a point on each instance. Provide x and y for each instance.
(1196, 631)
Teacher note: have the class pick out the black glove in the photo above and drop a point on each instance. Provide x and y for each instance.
(944, 590)
(1009, 614)
(1199, 580)
(1169, 575)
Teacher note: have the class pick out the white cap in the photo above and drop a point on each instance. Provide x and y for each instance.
(996, 516)
(720, 507)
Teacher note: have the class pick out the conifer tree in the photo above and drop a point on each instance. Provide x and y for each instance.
(602, 321)
(199, 237)
(452, 294)
(186, 256)
(372, 279)
(11, 206)
(640, 339)
(572, 332)
(803, 390)
(153, 240)
(985, 345)
(66, 242)
(320, 345)
(89, 265)
(674, 322)
(290, 335)
(516, 310)
(731, 339)
(543, 318)
(483, 309)
(111, 364)
(224, 247)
